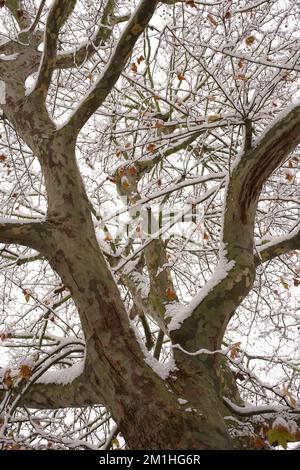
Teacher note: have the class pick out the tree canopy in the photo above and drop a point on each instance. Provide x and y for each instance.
(149, 224)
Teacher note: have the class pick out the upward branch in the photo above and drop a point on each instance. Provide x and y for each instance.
(58, 15)
(205, 320)
(278, 246)
(70, 59)
(15, 7)
(135, 26)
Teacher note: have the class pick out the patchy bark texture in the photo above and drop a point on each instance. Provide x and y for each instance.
(186, 410)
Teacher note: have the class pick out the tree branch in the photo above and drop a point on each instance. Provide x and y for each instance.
(172, 2)
(85, 51)
(250, 410)
(38, 16)
(57, 16)
(22, 233)
(51, 395)
(136, 25)
(278, 246)
(18, 13)
(51, 389)
(205, 320)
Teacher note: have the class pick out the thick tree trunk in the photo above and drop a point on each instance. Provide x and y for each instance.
(183, 412)
(194, 421)
(160, 426)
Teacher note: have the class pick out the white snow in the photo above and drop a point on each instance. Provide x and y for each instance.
(30, 85)
(180, 315)
(248, 410)
(9, 57)
(130, 267)
(63, 376)
(173, 309)
(224, 352)
(142, 283)
(182, 401)
(4, 220)
(169, 189)
(267, 243)
(161, 369)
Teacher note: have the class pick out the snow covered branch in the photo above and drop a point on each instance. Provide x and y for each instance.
(53, 395)
(249, 410)
(57, 16)
(70, 59)
(136, 25)
(278, 246)
(233, 279)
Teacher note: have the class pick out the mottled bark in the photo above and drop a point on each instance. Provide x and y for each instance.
(206, 325)
(186, 410)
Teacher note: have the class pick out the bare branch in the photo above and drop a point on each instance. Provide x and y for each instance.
(57, 16)
(22, 233)
(86, 50)
(38, 15)
(115, 66)
(59, 395)
(18, 13)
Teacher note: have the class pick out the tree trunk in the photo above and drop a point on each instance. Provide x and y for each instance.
(186, 414)
(158, 425)
(183, 412)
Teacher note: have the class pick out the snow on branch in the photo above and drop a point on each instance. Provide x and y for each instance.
(223, 352)
(57, 16)
(134, 28)
(161, 369)
(278, 246)
(169, 190)
(74, 58)
(182, 314)
(249, 410)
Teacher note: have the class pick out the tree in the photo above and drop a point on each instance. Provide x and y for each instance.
(110, 108)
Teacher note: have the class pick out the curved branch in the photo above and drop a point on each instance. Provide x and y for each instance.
(205, 319)
(76, 386)
(250, 410)
(75, 58)
(78, 393)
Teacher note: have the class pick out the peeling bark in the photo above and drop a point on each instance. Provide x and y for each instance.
(185, 411)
